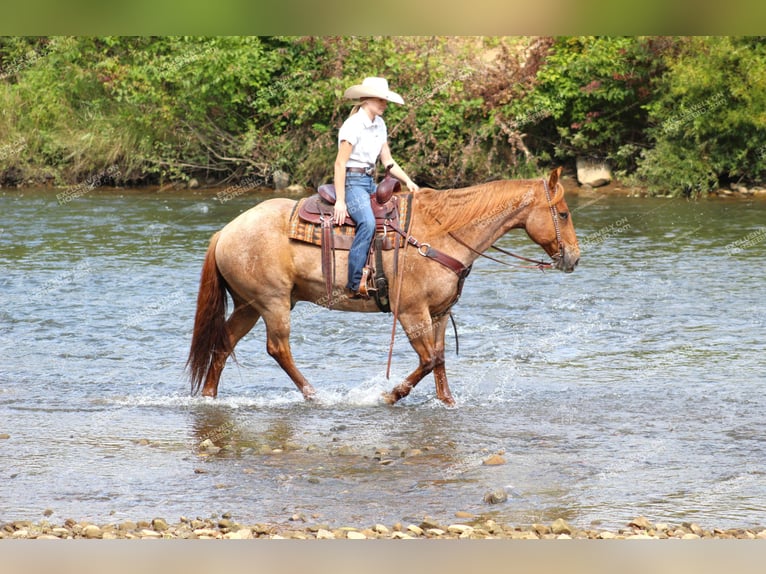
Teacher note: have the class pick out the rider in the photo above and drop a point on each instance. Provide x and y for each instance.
(363, 139)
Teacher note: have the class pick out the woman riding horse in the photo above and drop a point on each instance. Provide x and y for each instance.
(361, 140)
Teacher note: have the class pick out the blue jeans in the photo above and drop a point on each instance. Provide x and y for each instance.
(359, 188)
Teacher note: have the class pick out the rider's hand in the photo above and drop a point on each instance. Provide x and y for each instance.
(341, 213)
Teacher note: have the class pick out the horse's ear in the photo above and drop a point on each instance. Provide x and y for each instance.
(553, 181)
(554, 177)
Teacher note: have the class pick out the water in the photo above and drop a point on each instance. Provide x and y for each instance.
(633, 386)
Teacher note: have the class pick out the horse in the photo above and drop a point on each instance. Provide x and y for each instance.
(253, 260)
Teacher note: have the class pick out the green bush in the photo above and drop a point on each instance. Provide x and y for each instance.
(707, 124)
(589, 98)
(678, 115)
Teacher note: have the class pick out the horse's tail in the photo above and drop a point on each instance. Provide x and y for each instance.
(210, 339)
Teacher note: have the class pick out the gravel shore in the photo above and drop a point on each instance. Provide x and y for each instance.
(228, 528)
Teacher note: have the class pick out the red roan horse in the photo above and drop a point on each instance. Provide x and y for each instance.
(266, 273)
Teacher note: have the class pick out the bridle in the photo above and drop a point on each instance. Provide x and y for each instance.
(537, 264)
(555, 219)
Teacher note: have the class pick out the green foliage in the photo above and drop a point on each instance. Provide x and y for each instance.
(589, 97)
(679, 115)
(707, 125)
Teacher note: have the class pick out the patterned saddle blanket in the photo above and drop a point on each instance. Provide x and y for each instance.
(310, 213)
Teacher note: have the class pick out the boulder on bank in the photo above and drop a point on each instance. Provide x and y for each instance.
(280, 179)
(594, 173)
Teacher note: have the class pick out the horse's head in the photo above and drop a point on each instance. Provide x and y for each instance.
(549, 224)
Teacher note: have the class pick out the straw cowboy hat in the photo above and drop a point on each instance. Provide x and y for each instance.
(373, 88)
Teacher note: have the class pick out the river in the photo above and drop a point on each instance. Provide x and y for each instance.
(633, 386)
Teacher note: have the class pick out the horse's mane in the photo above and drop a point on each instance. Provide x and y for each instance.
(451, 209)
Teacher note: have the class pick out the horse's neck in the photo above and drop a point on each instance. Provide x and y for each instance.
(500, 206)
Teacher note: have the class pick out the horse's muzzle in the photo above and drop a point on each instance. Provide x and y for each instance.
(568, 261)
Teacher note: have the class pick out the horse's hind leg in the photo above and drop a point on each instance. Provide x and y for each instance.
(242, 319)
(277, 321)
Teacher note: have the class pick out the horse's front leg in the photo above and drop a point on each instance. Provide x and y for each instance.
(440, 372)
(420, 331)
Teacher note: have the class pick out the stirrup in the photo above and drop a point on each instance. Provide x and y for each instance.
(363, 291)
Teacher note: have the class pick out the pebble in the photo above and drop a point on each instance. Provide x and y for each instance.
(560, 526)
(690, 536)
(459, 528)
(205, 444)
(227, 528)
(92, 531)
(496, 496)
(429, 522)
(412, 453)
(494, 460)
(4, 436)
(641, 523)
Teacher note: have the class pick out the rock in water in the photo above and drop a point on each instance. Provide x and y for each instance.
(496, 496)
(208, 446)
(494, 460)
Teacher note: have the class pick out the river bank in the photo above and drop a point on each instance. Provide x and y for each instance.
(301, 528)
(227, 191)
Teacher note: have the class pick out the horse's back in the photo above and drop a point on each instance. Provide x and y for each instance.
(269, 213)
(256, 239)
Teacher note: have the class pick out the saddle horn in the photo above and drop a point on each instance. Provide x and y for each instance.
(387, 187)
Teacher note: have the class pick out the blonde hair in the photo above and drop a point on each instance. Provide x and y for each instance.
(357, 107)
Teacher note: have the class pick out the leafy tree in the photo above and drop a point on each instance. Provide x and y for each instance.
(589, 98)
(707, 124)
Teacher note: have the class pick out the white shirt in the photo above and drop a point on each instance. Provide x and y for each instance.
(366, 136)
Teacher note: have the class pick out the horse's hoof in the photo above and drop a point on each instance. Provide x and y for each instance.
(389, 398)
(448, 401)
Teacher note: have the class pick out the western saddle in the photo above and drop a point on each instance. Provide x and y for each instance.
(318, 210)
(388, 206)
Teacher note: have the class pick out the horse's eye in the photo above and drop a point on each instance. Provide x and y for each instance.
(563, 215)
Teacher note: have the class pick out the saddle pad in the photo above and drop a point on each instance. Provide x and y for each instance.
(344, 235)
